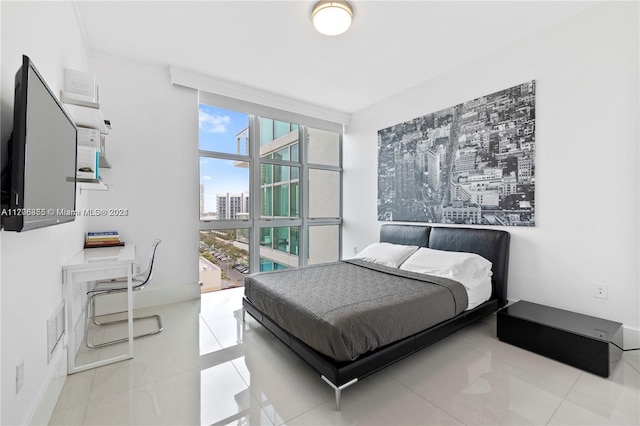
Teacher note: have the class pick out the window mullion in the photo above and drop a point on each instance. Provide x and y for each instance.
(223, 156)
(304, 196)
(255, 191)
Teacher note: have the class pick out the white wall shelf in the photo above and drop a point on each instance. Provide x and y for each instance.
(83, 105)
(92, 185)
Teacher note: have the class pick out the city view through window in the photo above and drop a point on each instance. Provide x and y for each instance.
(296, 216)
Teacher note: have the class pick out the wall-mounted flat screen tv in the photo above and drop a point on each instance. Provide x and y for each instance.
(38, 185)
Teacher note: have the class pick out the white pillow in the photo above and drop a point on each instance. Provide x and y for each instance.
(469, 269)
(386, 254)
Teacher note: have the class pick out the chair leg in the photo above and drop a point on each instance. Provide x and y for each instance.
(93, 309)
(90, 316)
(113, 342)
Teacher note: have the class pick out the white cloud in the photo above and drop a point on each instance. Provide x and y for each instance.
(214, 123)
(206, 177)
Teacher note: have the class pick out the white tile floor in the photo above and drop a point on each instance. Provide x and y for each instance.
(200, 370)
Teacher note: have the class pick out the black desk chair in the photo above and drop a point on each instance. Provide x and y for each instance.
(104, 288)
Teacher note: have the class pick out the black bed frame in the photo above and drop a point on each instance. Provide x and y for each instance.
(490, 243)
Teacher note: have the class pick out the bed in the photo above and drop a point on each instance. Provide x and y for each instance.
(351, 318)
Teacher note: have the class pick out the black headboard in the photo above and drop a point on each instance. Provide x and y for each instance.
(492, 244)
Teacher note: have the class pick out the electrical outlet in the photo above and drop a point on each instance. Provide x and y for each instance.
(601, 291)
(19, 376)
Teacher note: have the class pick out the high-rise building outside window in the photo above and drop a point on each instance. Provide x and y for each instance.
(270, 194)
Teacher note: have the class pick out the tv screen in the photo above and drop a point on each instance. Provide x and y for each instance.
(41, 187)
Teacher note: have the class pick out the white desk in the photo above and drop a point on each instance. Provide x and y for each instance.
(90, 265)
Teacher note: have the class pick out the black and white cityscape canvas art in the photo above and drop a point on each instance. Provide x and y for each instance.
(472, 163)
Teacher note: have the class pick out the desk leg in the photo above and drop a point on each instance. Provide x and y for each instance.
(70, 332)
(130, 308)
(69, 280)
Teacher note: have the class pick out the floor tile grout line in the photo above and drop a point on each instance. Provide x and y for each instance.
(284, 422)
(86, 408)
(630, 365)
(535, 373)
(210, 330)
(588, 395)
(564, 399)
(425, 399)
(76, 405)
(257, 397)
(133, 387)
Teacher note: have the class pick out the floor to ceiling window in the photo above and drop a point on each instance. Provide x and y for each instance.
(270, 195)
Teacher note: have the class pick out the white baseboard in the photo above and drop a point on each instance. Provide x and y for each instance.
(46, 400)
(162, 296)
(631, 337)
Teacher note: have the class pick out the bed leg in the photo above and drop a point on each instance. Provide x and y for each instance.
(338, 389)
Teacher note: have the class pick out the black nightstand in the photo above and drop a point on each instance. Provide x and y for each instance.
(580, 340)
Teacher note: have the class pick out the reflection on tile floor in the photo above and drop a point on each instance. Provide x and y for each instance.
(203, 370)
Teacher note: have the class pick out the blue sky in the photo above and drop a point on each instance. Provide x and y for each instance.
(217, 132)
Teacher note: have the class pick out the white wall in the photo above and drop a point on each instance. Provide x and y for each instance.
(587, 181)
(31, 262)
(153, 149)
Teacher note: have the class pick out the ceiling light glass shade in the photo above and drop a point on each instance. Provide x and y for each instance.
(332, 17)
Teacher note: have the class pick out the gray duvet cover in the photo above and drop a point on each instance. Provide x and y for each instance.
(347, 308)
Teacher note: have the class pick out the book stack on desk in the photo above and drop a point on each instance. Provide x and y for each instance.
(102, 239)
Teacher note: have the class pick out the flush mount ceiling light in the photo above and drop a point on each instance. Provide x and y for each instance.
(332, 17)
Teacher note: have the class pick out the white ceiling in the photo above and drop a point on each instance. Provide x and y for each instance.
(271, 45)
